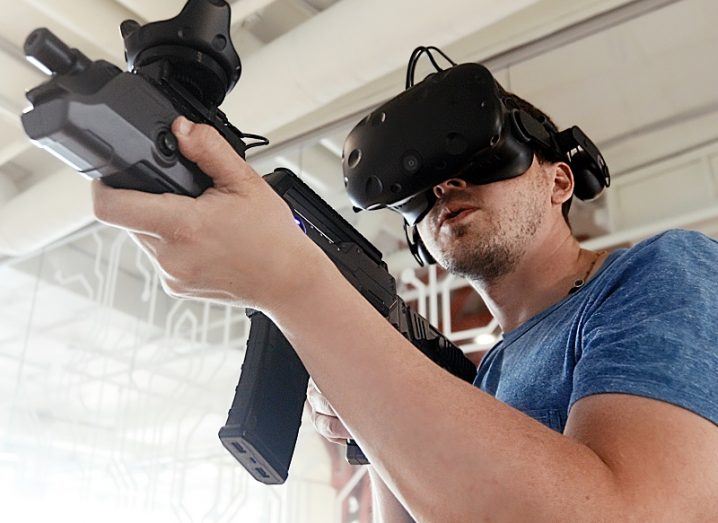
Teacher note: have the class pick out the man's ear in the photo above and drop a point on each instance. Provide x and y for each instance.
(563, 183)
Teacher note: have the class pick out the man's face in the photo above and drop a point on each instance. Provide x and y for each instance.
(494, 226)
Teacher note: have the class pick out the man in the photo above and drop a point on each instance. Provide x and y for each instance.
(631, 351)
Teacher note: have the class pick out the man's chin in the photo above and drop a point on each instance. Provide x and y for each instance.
(478, 262)
(456, 260)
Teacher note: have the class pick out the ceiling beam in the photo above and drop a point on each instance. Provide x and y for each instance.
(244, 9)
(97, 23)
(10, 112)
(164, 9)
(308, 8)
(535, 45)
(10, 150)
(14, 52)
(331, 146)
(144, 11)
(308, 176)
(14, 142)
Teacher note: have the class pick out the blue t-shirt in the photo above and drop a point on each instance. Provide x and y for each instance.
(646, 324)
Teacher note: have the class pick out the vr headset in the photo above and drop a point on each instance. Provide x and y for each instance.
(456, 123)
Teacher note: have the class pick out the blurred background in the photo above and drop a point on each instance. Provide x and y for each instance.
(111, 393)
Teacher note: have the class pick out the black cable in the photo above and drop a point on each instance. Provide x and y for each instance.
(433, 59)
(414, 59)
(411, 66)
(413, 247)
(442, 53)
(261, 140)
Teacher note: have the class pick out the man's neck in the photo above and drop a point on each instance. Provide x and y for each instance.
(543, 276)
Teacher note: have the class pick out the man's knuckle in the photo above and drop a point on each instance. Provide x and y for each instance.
(206, 136)
(319, 402)
(175, 270)
(182, 272)
(329, 427)
(312, 401)
(334, 427)
(325, 405)
(318, 422)
(182, 232)
(171, 288)
(323, 424)
(164, 261)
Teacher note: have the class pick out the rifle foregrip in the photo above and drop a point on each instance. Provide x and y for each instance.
(263, 423)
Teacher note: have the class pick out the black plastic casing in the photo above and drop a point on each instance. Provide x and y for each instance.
(114, 125)
(114, 134)
(266, 413)
(197, 45)
(452, 124)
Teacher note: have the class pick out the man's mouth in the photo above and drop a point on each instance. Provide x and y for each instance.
(449, 217)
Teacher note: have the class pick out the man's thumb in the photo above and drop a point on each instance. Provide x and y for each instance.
(203, 145)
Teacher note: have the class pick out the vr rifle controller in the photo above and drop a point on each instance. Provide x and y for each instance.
(115, 126)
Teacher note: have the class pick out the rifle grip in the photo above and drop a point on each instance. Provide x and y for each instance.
(355, 455)
(263, 423)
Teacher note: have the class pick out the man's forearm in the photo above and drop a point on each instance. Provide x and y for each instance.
(447, 449)
(385, 506)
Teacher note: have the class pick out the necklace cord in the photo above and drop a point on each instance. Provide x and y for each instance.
(582, 281)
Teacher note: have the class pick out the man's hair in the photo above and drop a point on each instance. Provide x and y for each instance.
(543, 155)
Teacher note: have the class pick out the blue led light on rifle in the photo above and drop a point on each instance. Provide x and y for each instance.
(301, 224)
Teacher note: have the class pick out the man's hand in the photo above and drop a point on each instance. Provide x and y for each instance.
(325, 420)
(238, 242)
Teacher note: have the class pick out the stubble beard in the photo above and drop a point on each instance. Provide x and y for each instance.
(486, 252)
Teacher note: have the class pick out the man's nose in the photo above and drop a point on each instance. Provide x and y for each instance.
(452, 184)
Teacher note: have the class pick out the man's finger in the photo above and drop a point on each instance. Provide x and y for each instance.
(330, 427)
(152, 214)
(203, 145)
(318, 402)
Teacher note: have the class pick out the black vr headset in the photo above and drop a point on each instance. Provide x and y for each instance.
(456, 123)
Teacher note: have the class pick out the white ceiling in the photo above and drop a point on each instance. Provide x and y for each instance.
(643, 89)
